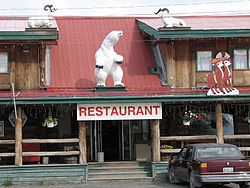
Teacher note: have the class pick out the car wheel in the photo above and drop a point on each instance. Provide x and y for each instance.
(172, 177)
(192, 181)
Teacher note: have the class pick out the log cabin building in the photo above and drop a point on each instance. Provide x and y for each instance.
(49, 73)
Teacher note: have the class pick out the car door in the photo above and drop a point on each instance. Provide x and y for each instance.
(179, 164)
(185, 163)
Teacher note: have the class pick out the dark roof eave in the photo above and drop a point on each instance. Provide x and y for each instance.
(190, 34)
(216, 33)
(24, 35)
(126, 99)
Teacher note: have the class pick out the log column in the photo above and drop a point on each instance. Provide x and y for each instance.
(82, 142)
(219, 123)
(18, 137)
(155, 131)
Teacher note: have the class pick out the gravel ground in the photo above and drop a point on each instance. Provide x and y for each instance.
(118, 184)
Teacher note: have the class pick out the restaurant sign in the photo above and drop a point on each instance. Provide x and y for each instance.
(119, 111)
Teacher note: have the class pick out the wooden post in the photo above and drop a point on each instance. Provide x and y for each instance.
(18, 137)
(12, 66)
(219, 123)
(155, 131)
(170, 64)
(42, 66)
(82, 142)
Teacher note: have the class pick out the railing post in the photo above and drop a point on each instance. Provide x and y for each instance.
(219, 123)
(82, 143)
(18, 137)
(155, 131)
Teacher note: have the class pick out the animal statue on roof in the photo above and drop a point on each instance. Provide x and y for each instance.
(168, 20)
(42, 21)
(107, 61)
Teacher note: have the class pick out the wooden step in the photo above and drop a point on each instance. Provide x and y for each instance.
(127, 178)
(113, 171)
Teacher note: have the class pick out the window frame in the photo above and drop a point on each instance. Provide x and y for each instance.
(203, 50)
(248, 58)
(8, 61)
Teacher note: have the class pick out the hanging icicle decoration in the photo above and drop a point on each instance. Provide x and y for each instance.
(2, 110)
(61, 115)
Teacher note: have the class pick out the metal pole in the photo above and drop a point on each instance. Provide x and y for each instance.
(130, 142)
(122, 141)
(14, 100)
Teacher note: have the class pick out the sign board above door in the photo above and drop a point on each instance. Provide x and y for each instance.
(119, 111)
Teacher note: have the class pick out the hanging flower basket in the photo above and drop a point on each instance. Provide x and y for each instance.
(188, 117)
(186, 123)
(50, 122)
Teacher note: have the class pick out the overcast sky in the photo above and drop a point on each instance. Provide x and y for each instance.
(124, 8)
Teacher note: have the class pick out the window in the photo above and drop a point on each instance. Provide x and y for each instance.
(47, 62)
(241, 59)
(189, 154)
(218, 152)
(204, 59)
(4, 62)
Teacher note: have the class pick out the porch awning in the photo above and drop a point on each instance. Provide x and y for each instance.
(16, 29)
(89, 96)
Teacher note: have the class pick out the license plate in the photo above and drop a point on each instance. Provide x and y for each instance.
(228, 169)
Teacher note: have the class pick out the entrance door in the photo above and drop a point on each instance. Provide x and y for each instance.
(113, 138)
(110, 140)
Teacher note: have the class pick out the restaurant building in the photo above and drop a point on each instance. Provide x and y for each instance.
(56, 124)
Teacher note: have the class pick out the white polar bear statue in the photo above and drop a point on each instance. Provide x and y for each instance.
(39, 22)
(107, 61)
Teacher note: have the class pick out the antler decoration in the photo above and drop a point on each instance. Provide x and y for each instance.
(162, 10)
(49, 7)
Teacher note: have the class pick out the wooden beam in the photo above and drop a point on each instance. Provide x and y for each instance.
(170, 150)
(82, 142)
(7, 154)
(181, 138)
(174, 151)
(155, 131)
(244, 148)
(244, 136)
(7, 141)
(18, 137)
(219, 123)
(52, 153)
(50, 141)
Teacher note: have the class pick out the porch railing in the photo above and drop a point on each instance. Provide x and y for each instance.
(244, 147)
(43, 153)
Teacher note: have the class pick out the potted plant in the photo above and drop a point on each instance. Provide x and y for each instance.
(50, 122)
(187, 117)
(166, 146)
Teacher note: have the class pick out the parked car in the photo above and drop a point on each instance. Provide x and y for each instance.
(199, 164)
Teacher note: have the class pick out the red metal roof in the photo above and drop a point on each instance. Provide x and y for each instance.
(73, 62)
(206, 22)
(12, 24)
(73, 59)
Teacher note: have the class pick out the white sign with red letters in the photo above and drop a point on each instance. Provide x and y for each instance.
(119, 111)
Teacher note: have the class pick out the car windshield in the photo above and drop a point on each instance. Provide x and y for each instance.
(218, 152)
